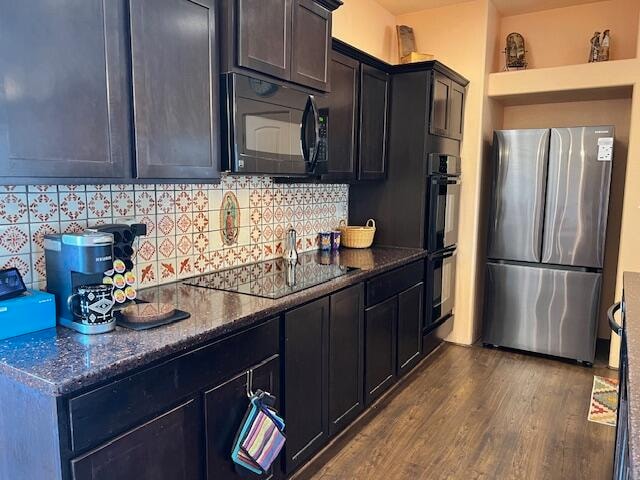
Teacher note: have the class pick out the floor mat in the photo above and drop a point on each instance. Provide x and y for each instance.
(604, 401)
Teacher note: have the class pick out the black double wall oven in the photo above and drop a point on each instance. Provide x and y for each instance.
(270, 128)
(441, 237)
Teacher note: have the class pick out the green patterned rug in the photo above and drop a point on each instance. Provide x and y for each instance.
(604, 401)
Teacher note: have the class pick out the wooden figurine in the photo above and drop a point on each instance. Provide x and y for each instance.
(603, 55)
(594, 54)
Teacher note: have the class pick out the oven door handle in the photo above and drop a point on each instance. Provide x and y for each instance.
(443, 256)
(446, 180)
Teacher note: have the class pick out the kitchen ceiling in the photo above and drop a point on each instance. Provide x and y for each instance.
(505, 7)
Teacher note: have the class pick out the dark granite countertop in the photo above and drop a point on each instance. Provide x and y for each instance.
(60, 361)
(631, 283)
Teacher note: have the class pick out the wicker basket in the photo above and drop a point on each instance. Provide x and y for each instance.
(357, 237)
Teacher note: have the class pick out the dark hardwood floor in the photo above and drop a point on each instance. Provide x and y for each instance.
(475, 413)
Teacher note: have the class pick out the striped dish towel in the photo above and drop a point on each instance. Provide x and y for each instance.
(263, 442)
(260, 438)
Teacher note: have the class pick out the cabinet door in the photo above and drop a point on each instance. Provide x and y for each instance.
(311, 45)
(341, 106)
(380, 348)
(306, 381)
(264, 36)
(225, 406)
(410, 318)
(175, 88)
(374, 110)
(64, 108)
(456, 107)
(346, 356)
(167, 447)
(440, 105)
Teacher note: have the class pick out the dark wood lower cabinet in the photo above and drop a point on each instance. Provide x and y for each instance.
(380, 348)
(410, 316)
(169, 447)
(306, 381)
(324, 361)
(346, 357)
(225, 406)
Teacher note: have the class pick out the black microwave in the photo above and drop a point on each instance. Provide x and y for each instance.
(270, 129)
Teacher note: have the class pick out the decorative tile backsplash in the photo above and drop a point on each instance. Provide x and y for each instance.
(192, 229)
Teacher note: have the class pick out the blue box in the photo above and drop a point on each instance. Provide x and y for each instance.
(30, 312)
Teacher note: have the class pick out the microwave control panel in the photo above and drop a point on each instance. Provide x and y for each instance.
(323, 129)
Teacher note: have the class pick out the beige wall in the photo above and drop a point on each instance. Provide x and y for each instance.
(561, 36)
(492, 117)
(457, 35)
(368, 26)
(604, 112)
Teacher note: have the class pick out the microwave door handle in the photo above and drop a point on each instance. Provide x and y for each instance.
(316, 134)
(303, 129)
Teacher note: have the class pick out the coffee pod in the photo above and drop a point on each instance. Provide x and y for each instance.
(119, 266)
(119, 296)
(130, 278)
(130, 292)
(119, 281)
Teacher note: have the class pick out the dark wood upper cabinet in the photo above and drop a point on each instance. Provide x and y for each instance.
(311, 45)
(264, 36)
(225, 406)
(64, 110)
(374, 113)
(456, 123)
(341, 107)
(346, 357)
(306, 381)
(410, 319)
(447, 107)
(439, 124)
(168, 447)
(175, 88)
(380, 348)
(286, 39)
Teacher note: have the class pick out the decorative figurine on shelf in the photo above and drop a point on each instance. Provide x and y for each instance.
(514, 52)
(595, 47)
(603, 56)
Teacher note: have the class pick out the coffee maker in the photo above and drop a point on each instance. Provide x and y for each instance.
(75, 260)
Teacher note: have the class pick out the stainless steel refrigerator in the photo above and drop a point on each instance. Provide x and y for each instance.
(546, 240)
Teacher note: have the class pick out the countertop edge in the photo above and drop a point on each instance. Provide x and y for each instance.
(631, 281)
(137, 362)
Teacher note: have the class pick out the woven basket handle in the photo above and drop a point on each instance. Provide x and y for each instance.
(371, 223)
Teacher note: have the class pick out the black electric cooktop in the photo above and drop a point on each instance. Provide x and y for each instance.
(274, 278)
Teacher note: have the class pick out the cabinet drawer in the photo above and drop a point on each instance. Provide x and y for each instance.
(393, 282)
(165, 448)
(110, 410)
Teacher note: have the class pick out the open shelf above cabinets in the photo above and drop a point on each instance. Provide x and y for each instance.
(589, 81)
